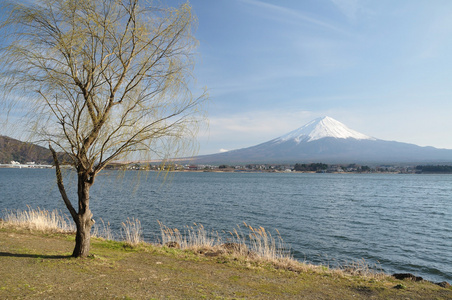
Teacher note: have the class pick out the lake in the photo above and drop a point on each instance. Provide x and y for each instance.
(400, 222)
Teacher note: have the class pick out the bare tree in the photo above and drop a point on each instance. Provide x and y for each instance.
(100, 80)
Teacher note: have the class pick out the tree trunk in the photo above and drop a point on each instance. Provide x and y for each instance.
(83, 220)
(83, 235)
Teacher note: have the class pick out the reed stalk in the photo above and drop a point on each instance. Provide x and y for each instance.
(192, 237)
(39, 219)
(251, 243)
(102, 231)
(131, 232)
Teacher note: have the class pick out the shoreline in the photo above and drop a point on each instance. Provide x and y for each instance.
(37, 265)
(253, 243)
(24, 166)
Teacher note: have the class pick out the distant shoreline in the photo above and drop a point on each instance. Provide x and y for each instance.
(231, 170)
(25, 166)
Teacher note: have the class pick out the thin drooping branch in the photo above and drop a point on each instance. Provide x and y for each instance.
(103, 79)
(60, 184)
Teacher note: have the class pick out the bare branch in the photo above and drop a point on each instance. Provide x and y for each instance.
(61, 185)
(101, 80)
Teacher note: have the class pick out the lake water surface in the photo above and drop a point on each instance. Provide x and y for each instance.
(401, 222)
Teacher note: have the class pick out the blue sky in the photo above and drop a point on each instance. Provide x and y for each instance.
(383, 68)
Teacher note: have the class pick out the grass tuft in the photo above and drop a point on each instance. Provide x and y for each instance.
(102, 231)
(131, 232)
(254, 244)
(261, 242)
(362, 268)
(39, 219)
(193, 237)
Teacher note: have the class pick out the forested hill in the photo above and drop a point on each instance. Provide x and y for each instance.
(12, 149)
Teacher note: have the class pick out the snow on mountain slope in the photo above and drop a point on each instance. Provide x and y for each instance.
(329, 141)
(322, 128)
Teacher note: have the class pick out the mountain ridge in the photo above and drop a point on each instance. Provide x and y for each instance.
(22, 152)
(329, 141)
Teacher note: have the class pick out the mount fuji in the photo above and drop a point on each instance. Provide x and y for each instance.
(322, 128)
(329, 141)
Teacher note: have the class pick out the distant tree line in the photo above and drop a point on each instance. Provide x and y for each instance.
(314, 167)
(364, 169)
(434, 169)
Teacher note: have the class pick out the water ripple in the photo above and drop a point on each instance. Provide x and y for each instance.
(400, 222)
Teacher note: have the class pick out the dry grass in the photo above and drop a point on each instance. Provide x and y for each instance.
(36, 266)
(39, 219)
(257, 241)
(362, 268)
(102, 231)
(257, 245)
(252, 244)
(261, 242)
(193, 237)
(131, 232)
(246, 243)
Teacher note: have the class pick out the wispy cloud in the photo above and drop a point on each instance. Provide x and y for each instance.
(349, 8)
(259, 80)
(244, 129)
(285, 14)
(434, 39)
(247, 129)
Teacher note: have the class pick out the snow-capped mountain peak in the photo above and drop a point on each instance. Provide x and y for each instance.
(332, 142)
(322, 128)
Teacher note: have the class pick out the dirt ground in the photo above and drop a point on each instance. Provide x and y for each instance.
(35, 265)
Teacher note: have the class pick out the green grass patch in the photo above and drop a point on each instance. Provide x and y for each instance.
(36, 266)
